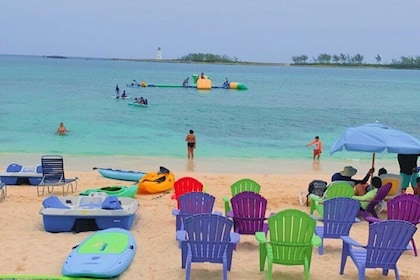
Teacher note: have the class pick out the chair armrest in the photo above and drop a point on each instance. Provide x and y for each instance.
(226, 199)
(316, 240)
(181, 235)
(318, 219)
(175, 212)
(372, 219)
(234, 237)
(260, 236)
(350, 241)
(230, 214)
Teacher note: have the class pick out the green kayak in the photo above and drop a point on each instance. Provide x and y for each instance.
(121, 191)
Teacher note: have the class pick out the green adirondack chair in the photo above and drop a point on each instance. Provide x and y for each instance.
(335, 189)
(241, 186)
(291, 239)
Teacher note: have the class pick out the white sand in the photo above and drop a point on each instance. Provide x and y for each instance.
(27, 249)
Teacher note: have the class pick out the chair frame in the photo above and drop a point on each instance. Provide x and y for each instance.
(185, 185)
(404, 207)
(339, 216)
(192, 203)
(386, 243)
(379, 197)
(3, 191)
(53, 175)
(284, 246)
(335, 189)
(248, 213)
(207, 238)
(241, 185)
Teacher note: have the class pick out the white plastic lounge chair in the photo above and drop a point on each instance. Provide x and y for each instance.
(3, 191)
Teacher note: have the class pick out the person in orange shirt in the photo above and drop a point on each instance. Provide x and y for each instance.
(317, 144)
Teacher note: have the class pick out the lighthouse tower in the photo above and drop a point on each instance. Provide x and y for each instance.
(159, 54)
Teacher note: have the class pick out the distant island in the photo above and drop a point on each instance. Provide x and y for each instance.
(325, 60)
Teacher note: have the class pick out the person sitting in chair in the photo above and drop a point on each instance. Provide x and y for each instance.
(366, 198)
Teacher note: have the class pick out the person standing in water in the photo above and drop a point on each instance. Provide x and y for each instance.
(317, 144)
(61, 130)
(191, 144)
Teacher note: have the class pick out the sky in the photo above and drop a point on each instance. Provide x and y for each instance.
(254, 31)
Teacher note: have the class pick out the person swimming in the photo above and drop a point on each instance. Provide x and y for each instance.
(61, 130)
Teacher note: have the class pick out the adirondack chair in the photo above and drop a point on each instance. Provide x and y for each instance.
(291, 239)
(207, 238)
(185, 185)
(339, 216)
(248, 213)
(404, 207)
(396, 181)
(370, 208)
(241, 186)
(335, 189)
(387, 241)
(192, 203)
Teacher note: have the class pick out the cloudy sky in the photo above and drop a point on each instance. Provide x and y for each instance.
(257, 31)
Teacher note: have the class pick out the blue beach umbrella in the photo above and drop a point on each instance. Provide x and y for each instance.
(376, 138)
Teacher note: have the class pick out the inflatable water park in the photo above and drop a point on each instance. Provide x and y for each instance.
(201, 82)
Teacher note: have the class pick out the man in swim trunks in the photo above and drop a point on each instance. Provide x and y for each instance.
(317, 147)
(191, 144)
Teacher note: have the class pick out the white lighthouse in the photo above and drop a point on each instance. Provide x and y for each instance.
(159, 54)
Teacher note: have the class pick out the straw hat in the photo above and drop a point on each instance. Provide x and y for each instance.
(348, 171)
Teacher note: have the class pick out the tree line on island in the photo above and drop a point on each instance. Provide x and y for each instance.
(408, 62)
(405, 62)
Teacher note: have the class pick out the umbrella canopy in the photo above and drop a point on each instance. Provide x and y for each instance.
(376, 138)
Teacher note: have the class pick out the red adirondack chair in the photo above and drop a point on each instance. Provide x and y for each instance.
(185, 185)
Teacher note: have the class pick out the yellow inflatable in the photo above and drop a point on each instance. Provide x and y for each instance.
(156, 182)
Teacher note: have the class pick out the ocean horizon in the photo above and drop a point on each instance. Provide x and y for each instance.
(282, 110)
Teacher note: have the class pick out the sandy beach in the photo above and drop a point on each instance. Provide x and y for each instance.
(29, 250)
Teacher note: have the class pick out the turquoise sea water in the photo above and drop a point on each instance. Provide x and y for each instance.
(283, 109)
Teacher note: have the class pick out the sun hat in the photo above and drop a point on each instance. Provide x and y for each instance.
(348, 171)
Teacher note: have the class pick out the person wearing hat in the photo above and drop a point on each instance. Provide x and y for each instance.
(348, 172)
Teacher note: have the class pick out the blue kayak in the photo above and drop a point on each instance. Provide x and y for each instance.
(123, 175)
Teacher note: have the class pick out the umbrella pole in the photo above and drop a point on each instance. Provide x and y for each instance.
(373, 160)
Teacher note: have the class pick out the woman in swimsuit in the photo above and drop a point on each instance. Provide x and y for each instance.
(191, 144)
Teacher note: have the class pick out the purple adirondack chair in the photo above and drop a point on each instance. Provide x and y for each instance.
(248, 213)
(192, 203)
(387, 241)
(404, 207)
(339, 216)
(370, 208)
(207, 238)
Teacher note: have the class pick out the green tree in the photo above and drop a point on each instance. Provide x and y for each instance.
(378, 59)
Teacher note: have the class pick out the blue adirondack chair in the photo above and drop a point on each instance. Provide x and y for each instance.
(207, 238)
(339, 215)
(248, 213)
(192, 203)
(404, 207)
(387, 241)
